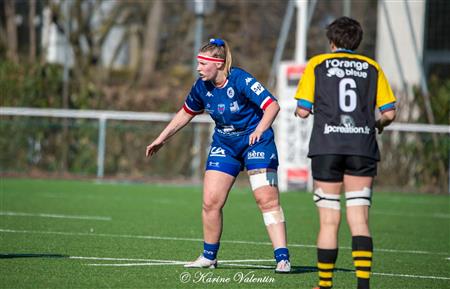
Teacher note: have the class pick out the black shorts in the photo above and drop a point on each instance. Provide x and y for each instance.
(332, 168)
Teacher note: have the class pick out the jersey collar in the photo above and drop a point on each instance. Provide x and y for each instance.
(340, 50)
(221, 86)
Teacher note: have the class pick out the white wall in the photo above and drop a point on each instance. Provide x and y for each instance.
(385, 54)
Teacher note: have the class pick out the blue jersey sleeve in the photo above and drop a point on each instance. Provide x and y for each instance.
(254, 90)
(193, 103)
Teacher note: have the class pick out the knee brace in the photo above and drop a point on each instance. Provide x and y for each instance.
(273, 217)
(359, 198)
(324, 200)
(261, 178)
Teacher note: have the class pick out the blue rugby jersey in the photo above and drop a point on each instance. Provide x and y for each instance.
(237, 107)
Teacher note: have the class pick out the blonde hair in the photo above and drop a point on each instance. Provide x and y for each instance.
(220, 49)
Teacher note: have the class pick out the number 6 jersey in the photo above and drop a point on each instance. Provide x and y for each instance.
(344, 89)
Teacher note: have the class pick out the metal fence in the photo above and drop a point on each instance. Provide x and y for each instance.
(112, 143)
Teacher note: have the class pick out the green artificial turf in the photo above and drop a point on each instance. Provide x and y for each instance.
(83, 234)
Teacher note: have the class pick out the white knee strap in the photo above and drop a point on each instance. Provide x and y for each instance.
(359, 198)
(268, 178)
(324, 200)
(273, 217)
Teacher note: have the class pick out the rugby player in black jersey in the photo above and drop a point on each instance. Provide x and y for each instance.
(344, 89)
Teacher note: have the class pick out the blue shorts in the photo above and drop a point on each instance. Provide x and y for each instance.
(230, 154)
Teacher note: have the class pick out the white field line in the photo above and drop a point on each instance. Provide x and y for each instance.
(201, 240)
(233, 263)
(411, 276)
(135, 264)
(249, 265)
(20, 214)
(179, 263)
(153, 262)
(162, 261)
(121, 259)
(435, 215)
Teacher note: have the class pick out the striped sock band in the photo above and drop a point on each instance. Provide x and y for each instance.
(326, 258)
(362, 251)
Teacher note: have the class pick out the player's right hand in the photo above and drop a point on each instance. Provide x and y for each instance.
(153, 148)
(379, 126)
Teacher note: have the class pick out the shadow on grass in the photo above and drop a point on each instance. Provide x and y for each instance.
(31, 255)
(310, 269)
(265, 267)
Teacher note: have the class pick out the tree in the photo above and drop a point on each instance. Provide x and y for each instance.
(151, 40)
(11, 31)
(32, 29)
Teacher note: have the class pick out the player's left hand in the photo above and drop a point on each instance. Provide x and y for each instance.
(254, 137)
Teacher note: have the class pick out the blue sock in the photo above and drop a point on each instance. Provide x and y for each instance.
(210, 250)
(281, 254)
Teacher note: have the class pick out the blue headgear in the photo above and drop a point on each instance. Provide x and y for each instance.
(217, 41)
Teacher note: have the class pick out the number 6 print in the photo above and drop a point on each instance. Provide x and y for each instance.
(344, 92)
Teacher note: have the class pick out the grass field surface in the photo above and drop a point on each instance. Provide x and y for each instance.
(82, 234)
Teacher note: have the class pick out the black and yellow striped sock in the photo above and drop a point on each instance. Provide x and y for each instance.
(362, 250)
(326, 258)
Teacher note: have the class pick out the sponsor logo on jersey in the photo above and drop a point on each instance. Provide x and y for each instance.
(213, 164)
(230, 92)
(248, 80)
(257, 88)
(208, 108)
(345, 63)
(347, 120)
(226, 129)
(335, 71)
(348, 67)
(342, 129)
(221, 108)
(346, 126)
(217, 152)
(254, 155)
(209, 94)
(234, 106)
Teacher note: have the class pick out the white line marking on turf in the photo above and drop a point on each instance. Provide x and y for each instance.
(20, 214)
(231, 263)
(200, 240)
(435, 215)
(248, 260)
(411, 276)
(120, 259)
(165, 261)
(250, 265)
(153, 262)
(135, 264)
(223, 263)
